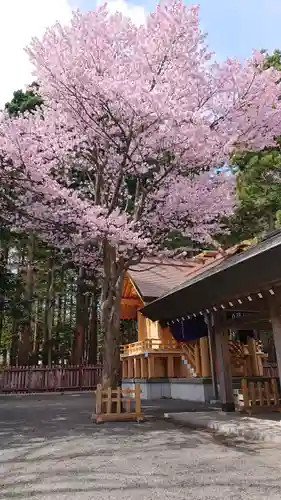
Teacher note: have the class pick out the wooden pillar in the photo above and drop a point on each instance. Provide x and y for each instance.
(205, 359)
(224, 370)
(197, 360)
(253, 356)
(213, 356)
(124, 368)
(142, 333)
(130, 367)
(170, 361)
(143, 365)
(151, 369)
(275, 316)
(260, 366)
(137, 368)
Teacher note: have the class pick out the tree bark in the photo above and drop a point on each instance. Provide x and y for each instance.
(81, 316)
(71, 303)
(59, 317)
(38, 328)
(93, 327)
(110, 318)
(25, 333)
(4, 256)
(15, 319)
(48, 316)
(14, 343)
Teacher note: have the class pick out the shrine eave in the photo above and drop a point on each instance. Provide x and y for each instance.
(253, 271)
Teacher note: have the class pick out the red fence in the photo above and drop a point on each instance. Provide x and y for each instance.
(42, 379)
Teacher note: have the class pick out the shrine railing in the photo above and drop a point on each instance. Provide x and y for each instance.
(148, 345)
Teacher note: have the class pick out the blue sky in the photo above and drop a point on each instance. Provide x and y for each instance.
(235, 27)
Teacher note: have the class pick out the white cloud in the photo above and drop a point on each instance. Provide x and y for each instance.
(135, 12)
(20, 20)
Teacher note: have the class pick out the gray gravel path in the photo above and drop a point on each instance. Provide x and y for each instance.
(49, 449)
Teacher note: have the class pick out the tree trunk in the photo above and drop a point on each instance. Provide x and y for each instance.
(110, 318)
(93, 327)
(48, 316)
(38, 329)
(4, 256)
(86, 321)
(25, 333)
(59, 317)
(71, 303)
(14, 343)
(81, 316)
(15, 319)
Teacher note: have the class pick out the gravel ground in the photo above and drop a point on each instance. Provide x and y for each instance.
(49, 449)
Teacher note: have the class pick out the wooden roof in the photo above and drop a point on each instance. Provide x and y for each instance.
(242, 271)
(153, 278)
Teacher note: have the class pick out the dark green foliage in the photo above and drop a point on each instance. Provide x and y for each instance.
(24, 101)
(258, 186)
(38, 292)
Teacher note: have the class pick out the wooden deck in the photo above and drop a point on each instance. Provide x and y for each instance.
(154, 358)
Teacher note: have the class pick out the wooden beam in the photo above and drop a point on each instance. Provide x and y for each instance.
(131, 301)
(224, 368)
(128, 313)
(255, 322)
(134, 286)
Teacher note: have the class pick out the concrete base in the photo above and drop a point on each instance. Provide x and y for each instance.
(265, 428)
(195, 389)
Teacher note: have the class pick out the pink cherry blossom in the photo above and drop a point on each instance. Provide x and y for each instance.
(142, 116)
(142, 104)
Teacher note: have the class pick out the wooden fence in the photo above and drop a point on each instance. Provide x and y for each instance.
(259, 394)
(55, 379)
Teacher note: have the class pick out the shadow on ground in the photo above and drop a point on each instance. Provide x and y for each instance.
(50, 449)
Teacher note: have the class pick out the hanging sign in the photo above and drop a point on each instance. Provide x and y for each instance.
(239, 314)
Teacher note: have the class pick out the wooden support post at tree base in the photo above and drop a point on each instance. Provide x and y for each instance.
(109, 405)
(224, 368)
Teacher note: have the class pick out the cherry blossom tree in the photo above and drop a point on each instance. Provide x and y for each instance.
(135, 122)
